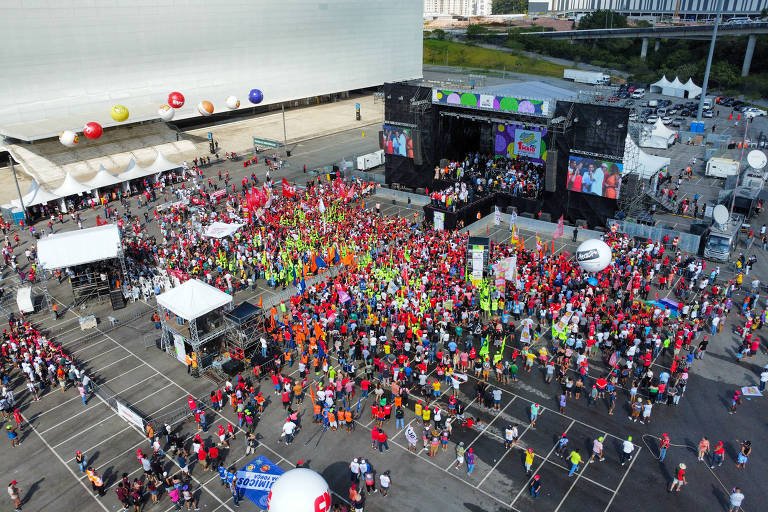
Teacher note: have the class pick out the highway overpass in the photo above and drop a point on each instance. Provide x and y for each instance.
(703, 32)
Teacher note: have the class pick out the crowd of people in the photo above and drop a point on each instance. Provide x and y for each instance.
(399, 327)
(479, 175)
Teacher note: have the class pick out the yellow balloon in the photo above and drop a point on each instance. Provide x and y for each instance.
(119, 113)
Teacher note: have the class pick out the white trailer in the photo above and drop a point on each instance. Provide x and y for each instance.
(721, 167)
(587, 77)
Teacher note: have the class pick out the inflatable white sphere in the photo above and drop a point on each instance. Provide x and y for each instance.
(166, 113)
(232, 102)
(69, 138)
(593, 255)
(300, 490)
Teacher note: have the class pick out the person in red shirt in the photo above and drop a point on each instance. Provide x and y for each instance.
(213, 458)
(679, 480)
(382, 440)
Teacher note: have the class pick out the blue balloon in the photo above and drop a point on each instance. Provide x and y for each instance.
(255, 96)
(592, 281)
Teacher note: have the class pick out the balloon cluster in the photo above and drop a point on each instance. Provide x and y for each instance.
(166, 112)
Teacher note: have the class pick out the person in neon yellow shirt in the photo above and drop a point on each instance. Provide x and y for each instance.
(575, 458)
(529, 456)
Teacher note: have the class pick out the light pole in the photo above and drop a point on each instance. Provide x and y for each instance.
(285, 133)
(709, 61)
(741, 162)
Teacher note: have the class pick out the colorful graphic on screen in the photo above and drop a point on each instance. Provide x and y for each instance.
(594, 176)
(397, 141)
(514, 140)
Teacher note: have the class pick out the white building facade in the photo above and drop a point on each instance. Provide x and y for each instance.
(685, 8)
(464, 8)
(66, 62)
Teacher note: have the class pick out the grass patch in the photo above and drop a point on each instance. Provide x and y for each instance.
(450, 53)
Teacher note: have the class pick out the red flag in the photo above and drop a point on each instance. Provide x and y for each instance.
(560, 229)
(288, 189)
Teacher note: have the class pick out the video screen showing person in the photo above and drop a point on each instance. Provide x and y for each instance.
(397, 141)
(594, 176)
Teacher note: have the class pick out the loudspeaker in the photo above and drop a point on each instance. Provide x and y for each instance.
(417, 148)
(550, 177)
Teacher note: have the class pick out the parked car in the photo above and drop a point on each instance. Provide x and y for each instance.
(666, 119)
(638, 93)
(672, 110)
(652, 119)
(633, 117)
(708, 113)
(677, 122)
(754, 112)
(685, 113)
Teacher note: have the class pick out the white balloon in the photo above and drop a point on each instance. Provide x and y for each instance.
(166, 113)
(233, 102)
(300, 490)
(69, 138)
(593, 255)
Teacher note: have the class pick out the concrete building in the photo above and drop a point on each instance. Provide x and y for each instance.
(688, 9)
(464, 8)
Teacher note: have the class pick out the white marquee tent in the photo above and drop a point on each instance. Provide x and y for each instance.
(676, 88)
(103, 178)
(134, 171)
(79, 247)
(658, 136)
(71, 187)
(161, 164)
(647, 165)
(193, 299)
(36, 195)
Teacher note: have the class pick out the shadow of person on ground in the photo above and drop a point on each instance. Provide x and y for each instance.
(31, 491)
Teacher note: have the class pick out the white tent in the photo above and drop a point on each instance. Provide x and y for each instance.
(134, 171)
(659, 136)
(103, 178)
(660, 85)
(35, 195)
(193, 299)
(78, 247)
(646, 165)
(221, 229)
(70, 187)
(694, 91)
(24, 300)
(161, 164)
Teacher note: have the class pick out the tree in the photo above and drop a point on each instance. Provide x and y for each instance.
(509, 6)
(439, 34)
(602, 19)
(474, 30)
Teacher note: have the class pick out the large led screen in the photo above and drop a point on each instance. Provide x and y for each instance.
(594, 176)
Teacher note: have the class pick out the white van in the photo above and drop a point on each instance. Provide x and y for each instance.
(653, 103)
(638, 93)
(739, 21)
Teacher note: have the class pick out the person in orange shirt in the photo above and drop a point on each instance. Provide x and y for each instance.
(332, 420)
(317, 413)
(350, 420)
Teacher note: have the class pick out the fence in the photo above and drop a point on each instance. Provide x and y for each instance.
(687, 242)
(402, 196)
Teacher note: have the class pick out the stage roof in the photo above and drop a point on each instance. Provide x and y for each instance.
(79, 247)
(529, 89)
(193, 299)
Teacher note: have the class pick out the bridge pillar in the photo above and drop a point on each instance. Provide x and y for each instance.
(748, 55)
(644, 49)
(656, 45)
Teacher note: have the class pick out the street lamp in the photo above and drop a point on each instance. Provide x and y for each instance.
(709, 60)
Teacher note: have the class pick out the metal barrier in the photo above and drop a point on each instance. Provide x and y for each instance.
(687, 242)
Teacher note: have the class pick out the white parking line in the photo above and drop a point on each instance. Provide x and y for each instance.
(90, 449)
(621, 482)
(82, 362)
(578, 476)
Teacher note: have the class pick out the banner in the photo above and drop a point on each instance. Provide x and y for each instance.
(129, 415)
(527, 143)
(181, 352)
(496, 216)
(527, 106)
(439, 221)
(256, 479)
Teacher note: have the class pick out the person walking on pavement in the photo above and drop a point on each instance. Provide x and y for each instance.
(529, 456)
(718, 455)
(385, 481)
(626, 450)
(81, 460)
(679, 480)
(535, 410)
(575, 458)
(663, 446)
(470, 461)
(735, 499)
(535, 486)
(597, 449)
(235, 491)
(703, 448)
(15, 495)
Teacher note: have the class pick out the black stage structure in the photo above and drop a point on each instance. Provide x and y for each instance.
(437, 131)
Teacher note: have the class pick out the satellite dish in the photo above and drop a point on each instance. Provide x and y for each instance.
(757, 159)
(720, 214)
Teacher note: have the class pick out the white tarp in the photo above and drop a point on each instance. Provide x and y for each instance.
(103, 178)
(659, 136)
(647, 165)
(78, 247)
(222, 229)
(193, 299)
(161, 164)
(70, 187)
(24, 300)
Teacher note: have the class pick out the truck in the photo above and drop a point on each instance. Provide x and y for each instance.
(587, 77)
(723, 238)
(721, 167)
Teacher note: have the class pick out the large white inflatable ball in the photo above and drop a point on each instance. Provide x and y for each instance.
(300, 490)
(593, 255)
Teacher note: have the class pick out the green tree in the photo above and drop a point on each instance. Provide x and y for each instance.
(602, 19)
(724, 75)
(474, 30)
(509, 6)
(439, 34)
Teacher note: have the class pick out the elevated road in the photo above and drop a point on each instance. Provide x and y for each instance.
(751, 31)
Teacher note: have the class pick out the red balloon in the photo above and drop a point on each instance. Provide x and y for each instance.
(92, 130)
(176, 99)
